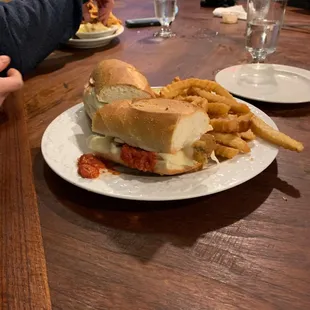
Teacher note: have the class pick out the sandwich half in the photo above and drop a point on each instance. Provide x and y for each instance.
(112, 80)
(160, 136)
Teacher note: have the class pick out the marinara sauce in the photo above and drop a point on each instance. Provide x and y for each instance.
(90, 166)
(138, 159)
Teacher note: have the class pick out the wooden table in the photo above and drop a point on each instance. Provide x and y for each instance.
(245, 248)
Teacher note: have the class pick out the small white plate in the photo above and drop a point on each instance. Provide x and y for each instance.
(267, 82)
(94, 43)
(98, 34)
(64, 141)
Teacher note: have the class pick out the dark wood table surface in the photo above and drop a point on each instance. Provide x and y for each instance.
(245, 248)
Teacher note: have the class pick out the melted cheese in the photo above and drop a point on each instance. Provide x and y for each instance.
(107, 146)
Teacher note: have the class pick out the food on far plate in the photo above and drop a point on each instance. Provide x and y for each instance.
(113, 20)
(152, 135)
(111, 80)
(232, 140)
(93, 9)
(247, 135)
(225, 151)
(94, 25)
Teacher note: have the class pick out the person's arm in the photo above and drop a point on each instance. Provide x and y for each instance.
(31, 29)
(12, 82)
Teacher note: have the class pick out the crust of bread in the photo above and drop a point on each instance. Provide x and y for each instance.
(112, 72)
(146, 123)
(185, 169)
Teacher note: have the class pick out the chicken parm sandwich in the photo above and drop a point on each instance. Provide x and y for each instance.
(161, 136)
(112, 80)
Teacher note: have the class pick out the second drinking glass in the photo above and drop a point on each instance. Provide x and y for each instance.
(264, 21)
(165, 11)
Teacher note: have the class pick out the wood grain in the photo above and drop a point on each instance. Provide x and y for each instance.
(245, 248)
(23, 271)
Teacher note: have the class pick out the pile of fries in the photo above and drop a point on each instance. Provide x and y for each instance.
(234, 125)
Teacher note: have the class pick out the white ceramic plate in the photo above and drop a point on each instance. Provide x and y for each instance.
(267, 82)
(98, 34)
(64, 142)
(94, 43)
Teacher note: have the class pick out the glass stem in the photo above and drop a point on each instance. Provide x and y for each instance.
(165, 27)
(257, 60)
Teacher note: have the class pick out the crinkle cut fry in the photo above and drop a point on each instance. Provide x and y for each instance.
(231, 140)
(266, 132)
(225, 151)
(239, 124)
(173, 89)
(176, 79)
(237, 107)
(194, 98)
(247, 135)
(113, 20)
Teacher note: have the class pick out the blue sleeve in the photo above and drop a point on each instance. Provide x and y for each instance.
(31, 29)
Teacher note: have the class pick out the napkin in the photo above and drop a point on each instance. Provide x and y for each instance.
(237, 9)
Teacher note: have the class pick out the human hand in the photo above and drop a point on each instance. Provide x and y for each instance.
(104, 9)
(12, 82)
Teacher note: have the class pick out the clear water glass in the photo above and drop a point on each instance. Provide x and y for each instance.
(264, 22)
(165, 11)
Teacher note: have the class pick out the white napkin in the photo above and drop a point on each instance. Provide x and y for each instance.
(238, 9)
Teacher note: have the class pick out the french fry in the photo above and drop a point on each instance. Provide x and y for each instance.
(92, 10)
(247, 135)
(230, 125)
(266, 132)
(217, 108)
(232, 116)
(231, 140)
(179, 97)
(113, 20)
(175, 88)
(176, 79)
(225, 151)
(214, 109)
(244, 122)
(236, 107)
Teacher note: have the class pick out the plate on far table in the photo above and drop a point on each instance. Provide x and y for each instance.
(64, 141)
(267, 82)
(96, 42)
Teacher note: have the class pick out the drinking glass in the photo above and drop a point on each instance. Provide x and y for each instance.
(264, 22)
(165, 11)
